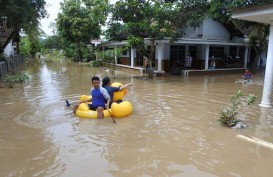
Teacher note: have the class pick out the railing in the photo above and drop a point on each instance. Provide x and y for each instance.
(16, 63)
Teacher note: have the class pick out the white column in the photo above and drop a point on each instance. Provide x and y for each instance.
(268, 79)
(160, 53)
(246, 56)
(132, 57)
(116, 55)
(207, 57)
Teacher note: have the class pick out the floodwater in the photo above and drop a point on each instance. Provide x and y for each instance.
(173, 130)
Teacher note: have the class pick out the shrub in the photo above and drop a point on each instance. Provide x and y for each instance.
(11, 80)
(228, 114)
(96, 63)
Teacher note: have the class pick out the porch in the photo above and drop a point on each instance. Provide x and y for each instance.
(186, 72)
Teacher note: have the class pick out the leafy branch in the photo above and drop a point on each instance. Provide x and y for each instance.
(228, 114)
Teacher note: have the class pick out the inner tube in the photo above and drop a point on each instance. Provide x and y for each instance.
(84, 112)
(117, 110)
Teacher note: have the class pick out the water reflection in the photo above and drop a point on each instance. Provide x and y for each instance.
(173, 130)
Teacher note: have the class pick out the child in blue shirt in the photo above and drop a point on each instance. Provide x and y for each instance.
(247, 75)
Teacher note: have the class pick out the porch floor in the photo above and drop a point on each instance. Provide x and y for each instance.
(186, 73)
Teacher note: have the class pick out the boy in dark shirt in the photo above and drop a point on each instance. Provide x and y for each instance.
(106, 83)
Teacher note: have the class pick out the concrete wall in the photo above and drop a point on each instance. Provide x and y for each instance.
(165, 47)
(209, 29)
(215, 31)
(191, 32)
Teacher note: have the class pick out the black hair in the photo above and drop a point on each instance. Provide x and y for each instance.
(95, 78)
(105, 81)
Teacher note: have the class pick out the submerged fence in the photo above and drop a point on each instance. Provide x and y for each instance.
(16, 63)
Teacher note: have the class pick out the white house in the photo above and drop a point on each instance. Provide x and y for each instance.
(222, 41)
(9, 50)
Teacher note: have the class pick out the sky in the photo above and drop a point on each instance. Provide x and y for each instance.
(53, 8)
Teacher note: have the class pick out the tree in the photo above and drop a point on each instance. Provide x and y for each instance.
(108, 57)
(222, 10)
(81, 21)
(153, 19)
(23, 15)
(52, 42)
(30, 45)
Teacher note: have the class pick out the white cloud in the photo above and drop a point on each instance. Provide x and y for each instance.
(53, 8)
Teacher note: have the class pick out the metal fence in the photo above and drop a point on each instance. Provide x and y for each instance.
(16, 63)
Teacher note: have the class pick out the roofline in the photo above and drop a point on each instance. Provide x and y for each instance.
(181, 41)
(253, 11)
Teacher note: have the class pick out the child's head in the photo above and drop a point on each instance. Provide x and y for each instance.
(247, 70)
(106, 81)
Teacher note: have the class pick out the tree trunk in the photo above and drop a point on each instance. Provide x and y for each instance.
(152, 57)
(152, 60)
(79, 51)
(258, 49)
(9, 38)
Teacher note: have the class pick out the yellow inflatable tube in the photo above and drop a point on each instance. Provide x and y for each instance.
(122, 109)
(84, 112)
(117, 110)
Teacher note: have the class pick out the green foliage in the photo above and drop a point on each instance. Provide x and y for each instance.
(25, 46)
(134, 41)
(228, 114)
(52, 42)
(21, 15)
(153, 19)
(30, 45)
(108, 56)
(11, 80)
(222, 10)
(4, 58)
(96, 63)
(81, 21)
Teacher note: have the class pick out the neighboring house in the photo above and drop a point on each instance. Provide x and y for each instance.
(9, 45)
(9, 41)
(211, 39)
(9, 50)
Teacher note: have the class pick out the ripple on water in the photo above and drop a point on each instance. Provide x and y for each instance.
(45, 117)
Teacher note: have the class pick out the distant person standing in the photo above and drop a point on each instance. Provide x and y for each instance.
(146, 64)
(188, 61)
(212, 64)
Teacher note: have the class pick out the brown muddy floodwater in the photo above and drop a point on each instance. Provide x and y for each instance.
(173, 130)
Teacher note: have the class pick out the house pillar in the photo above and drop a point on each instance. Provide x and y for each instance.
(207, 57)
(268, 79)
(132, 57)
(246, 56)
(116, 58)
(160, 54)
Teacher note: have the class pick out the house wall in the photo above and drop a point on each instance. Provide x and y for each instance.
(9, 50)
(214, 30)
(166, 51)
(209, 29)
(191, 32)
